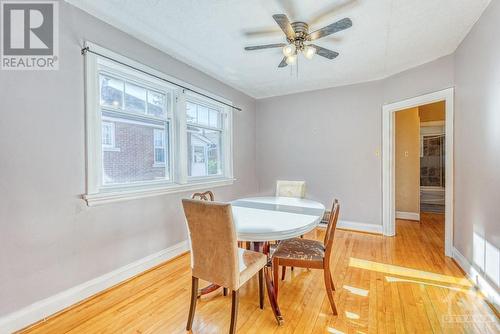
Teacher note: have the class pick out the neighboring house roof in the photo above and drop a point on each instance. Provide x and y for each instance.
(203, 139)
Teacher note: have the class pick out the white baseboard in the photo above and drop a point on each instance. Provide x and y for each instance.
(476, 276)
(46, 307)
(362, 227)
(408, 215)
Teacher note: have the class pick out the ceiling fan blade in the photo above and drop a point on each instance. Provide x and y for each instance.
(267, 46)
(325, 52)
(283, 63)
(331, 29)
(285, 25)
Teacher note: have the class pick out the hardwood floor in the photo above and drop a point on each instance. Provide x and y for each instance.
(384, 285)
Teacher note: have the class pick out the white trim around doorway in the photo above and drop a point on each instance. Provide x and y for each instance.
(388, 161)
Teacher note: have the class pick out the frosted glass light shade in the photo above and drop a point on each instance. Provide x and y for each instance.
(288, 50)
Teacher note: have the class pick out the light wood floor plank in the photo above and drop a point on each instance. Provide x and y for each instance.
(369, 299)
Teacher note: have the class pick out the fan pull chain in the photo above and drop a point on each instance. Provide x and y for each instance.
(297, 70)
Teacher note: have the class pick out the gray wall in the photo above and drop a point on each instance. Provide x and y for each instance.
(477, 143)
(50, 240)
(330, 137)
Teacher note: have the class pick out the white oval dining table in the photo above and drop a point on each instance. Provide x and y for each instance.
(261, 219)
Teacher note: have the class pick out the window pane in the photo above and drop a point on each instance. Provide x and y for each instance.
(202, 115)
(214, 118)
(159, 136)
(107, 134)
(159, 155)
(135, 98)
(156, 104)
(204, 152)
(111, 91)
(191, 112)
(135, 159)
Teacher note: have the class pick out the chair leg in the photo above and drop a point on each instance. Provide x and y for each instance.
(276, 267)
(224, 291)
(328, 286)
(261, 289)
(283, 273)
(194, 297)
(234, 312)
(333, 285)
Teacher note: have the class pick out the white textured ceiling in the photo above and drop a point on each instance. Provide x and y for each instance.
(388, 36)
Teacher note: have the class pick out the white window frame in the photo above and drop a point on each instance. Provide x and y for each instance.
(97, 193)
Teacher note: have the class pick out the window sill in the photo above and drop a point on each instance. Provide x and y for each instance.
(128, 194)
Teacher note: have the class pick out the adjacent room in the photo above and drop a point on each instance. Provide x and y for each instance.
(267, 166)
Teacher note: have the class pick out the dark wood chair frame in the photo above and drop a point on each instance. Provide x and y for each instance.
(205, 196)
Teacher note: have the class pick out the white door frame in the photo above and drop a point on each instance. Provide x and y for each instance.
(388, 161)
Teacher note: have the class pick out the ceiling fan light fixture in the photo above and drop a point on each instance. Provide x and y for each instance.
(289, 50)
(291, 59)
(309, 51)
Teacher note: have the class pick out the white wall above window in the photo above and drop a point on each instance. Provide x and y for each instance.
(140, 130)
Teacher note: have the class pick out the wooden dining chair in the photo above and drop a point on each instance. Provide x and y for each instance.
(215, 256)
(313, 254)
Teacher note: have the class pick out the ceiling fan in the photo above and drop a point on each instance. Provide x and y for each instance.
(298, 38)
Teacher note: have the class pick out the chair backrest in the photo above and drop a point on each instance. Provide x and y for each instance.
(214, 250)
(205, 196)
(291, 188)
(330, 229)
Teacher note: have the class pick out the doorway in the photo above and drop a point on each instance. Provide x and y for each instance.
(429, 153)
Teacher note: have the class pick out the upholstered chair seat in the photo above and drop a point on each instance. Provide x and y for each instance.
(300, 249)
(250, 263)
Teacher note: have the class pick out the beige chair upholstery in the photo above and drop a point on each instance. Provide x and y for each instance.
(291, 188)
(215, 256)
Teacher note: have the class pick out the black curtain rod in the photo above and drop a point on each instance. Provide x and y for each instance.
(87, 49)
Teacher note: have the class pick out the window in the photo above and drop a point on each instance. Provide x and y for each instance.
(146, 136)
(136, 129)
(204, 137)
